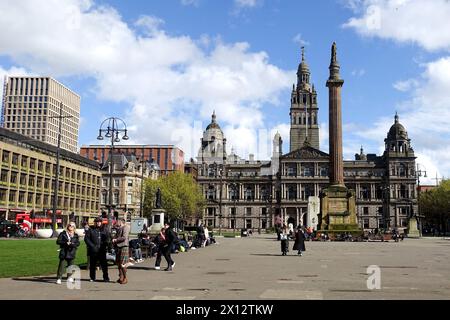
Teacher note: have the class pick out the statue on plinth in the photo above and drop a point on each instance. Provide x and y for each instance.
(158, 202)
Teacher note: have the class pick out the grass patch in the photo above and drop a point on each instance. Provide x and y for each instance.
(21, 258)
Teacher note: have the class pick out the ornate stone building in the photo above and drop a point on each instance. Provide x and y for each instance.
(128, 174)
(251, 194)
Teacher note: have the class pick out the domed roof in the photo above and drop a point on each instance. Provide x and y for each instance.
(213, 124)
(303, 66)
(397, 131)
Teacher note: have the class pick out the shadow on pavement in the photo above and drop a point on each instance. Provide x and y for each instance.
(51, 280)
(272, 255)
(142, 268)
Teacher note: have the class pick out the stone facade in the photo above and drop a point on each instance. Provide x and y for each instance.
(304, 110)
(253, 194)
(127, 178)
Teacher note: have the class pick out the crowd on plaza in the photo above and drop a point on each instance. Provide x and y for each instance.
(117, 245)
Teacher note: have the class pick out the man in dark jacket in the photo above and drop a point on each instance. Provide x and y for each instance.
(97, 240)
(171, 238)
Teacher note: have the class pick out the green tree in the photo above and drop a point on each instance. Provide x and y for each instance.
(435, 205)
(181, 196)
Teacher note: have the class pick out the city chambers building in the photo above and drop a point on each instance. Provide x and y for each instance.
(246, 193)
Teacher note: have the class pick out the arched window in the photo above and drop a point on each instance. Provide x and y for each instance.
(292, 192)
(402, 170)
(211, 193)
(249, 193)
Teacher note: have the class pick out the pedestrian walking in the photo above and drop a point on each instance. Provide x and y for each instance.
(68, 243)
(284, 237)
(120, 243)
(299, 243)
(171, 239)
(160, 241)
(97, 239)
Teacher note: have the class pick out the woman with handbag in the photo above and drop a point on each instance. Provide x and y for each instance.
(68, 242)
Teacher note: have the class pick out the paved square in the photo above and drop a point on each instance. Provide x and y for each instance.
(253, 268)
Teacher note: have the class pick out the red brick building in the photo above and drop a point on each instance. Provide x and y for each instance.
(168, 157)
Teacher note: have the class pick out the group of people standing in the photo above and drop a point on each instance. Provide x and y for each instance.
(299, 240)
(98, 241)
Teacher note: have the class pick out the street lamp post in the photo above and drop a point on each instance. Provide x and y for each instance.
(141, 203)
(56, 184)
(387, 211)
(218, 169)
(419, 173)
(114, 126)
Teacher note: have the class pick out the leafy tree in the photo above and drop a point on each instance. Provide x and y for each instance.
(435, 205)
(181, 196)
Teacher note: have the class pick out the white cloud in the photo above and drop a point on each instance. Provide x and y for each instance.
(426, 117)
(170, 82)
(194, 3)
(406, 85)
(358, 72)
(299, 39)
(247, 3)
(150, 24)
(419, 21)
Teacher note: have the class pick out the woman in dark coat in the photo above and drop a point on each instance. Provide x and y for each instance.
(299, 243)
(284, 237)
(68, 242)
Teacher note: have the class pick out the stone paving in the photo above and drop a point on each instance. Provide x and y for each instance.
(253, 268)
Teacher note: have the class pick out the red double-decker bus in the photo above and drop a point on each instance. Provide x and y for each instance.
(32, 221)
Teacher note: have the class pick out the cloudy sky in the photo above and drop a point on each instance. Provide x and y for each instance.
(164, 66)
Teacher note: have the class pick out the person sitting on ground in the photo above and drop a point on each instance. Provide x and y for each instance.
(135, 247)
(175, 245)
(211, 238)
(183, 242)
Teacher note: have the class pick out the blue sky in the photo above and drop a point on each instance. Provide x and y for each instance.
(164, 66)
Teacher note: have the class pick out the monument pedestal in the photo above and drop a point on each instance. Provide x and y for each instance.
(413, 231)
(157, 219)
(338, 211)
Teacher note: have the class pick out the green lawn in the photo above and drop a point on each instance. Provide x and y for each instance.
(20, 258)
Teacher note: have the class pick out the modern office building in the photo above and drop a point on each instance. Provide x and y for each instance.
(28, 175)
(34, 107)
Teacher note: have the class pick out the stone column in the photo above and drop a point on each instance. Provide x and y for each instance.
(334, 85)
